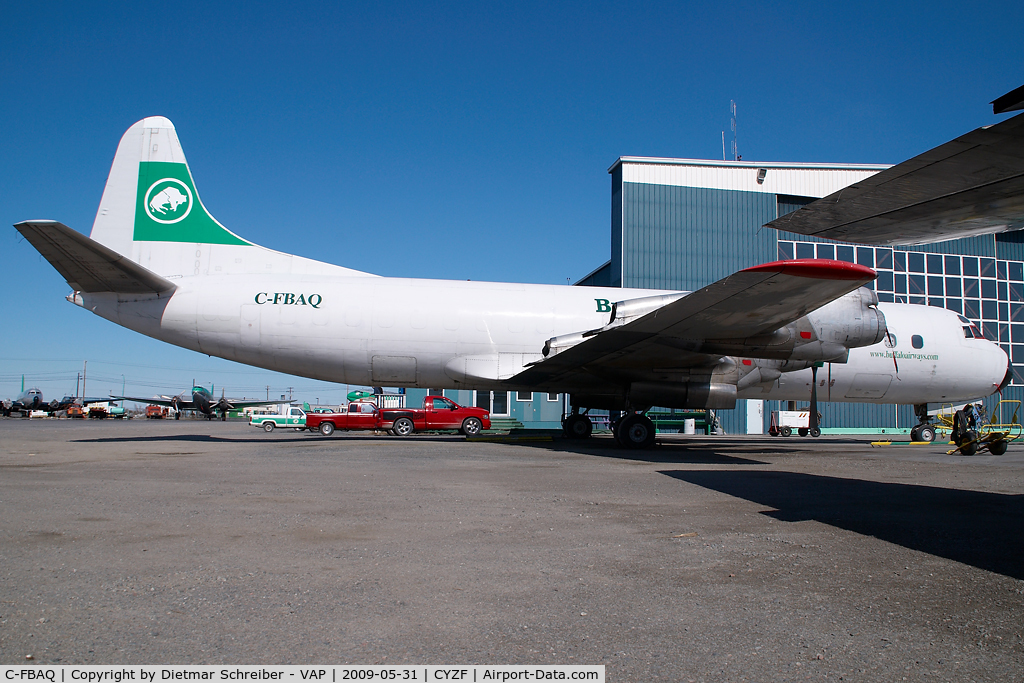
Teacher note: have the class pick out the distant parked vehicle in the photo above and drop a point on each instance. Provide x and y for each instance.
(293, 417)
(97, 411)
(156, 412)
(356, 415)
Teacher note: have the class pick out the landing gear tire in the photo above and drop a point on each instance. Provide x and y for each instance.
(636, 431)
(970, 446)
(915, 433)
(403, 426)
(578, 427)
(471, 426)
(786, 431)
(815, 432)
(997, 447)
(925, 433)
(326, 428)
(268, 427)
(803, 431)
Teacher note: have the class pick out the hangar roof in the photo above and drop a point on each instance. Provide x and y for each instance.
(788, 178)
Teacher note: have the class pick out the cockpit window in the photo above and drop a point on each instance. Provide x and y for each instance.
(917, 341)
(971, 331)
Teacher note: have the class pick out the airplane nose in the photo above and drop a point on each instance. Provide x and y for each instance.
(1007, 377)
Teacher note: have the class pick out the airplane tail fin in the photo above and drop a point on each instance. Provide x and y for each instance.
(151, 212)
(151, 215)
(150, 195)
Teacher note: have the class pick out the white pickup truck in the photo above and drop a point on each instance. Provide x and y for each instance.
(291, 418)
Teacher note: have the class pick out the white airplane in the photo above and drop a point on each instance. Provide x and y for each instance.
(157, 262)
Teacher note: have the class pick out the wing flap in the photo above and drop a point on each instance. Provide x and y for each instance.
(752, 302)
(87, 265)
(969, 186)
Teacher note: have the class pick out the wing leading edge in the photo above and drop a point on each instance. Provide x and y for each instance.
(746, 305)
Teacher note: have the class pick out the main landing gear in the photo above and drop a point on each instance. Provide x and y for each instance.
(577, 426)
(634, 430)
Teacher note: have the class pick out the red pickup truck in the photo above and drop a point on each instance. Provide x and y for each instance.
(437, 412)
(356, 415)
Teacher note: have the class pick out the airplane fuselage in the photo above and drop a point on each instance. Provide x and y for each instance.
(473, 335)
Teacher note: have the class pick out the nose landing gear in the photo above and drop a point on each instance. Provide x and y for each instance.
(924, 431)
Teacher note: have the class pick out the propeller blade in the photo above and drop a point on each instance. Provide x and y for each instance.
(892, 345)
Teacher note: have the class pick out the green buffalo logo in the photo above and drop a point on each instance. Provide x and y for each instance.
(168, 201)
(289, 299)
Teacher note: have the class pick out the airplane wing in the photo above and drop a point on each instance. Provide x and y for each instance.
(171, 402)
(188, 404)
(750, 303)
(239, 404)
(972, 185)
(87, 265)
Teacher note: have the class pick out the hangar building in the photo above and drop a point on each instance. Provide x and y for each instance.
(683, 223)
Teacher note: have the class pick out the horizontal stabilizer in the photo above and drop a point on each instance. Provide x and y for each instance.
(972, 185)
(87, 265)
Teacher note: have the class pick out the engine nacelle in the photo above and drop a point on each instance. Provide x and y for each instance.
(716, 395)
(826, 334)
(850, 321)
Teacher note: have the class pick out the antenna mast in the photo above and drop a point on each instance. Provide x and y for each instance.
(735, 145)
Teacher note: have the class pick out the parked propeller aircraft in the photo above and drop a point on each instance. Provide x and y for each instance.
(27, 401)
(157, 262)
(199, 399)
(32, 399)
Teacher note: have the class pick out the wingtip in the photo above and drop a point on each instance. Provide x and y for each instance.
(818, 269)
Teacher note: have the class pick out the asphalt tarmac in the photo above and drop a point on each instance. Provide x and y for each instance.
(704, 559)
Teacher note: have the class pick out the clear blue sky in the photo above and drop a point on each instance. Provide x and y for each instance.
(458, 140)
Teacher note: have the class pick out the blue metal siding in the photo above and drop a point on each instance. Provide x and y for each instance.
(615, 275)
(1010, 246)
(538, 412)
(687, 237)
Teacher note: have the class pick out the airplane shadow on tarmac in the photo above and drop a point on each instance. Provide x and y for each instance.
(264, 440)
(696, 454)
(974, 528)
(205, 438)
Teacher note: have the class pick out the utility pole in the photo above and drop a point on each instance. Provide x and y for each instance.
(289, 393)
(268, 392)
(85, 364)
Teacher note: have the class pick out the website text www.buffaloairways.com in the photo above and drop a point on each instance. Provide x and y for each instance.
(38, 673)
